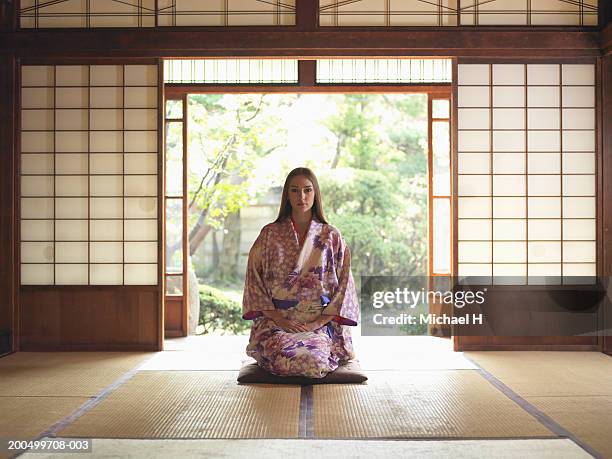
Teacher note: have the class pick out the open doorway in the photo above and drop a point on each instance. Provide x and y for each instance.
(383, 161)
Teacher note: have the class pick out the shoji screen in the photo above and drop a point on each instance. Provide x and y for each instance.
(89, 175)
(526, 165)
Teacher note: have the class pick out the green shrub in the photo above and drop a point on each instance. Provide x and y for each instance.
(218, 312)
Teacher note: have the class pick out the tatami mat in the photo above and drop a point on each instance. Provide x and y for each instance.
(453, 403)
(588, 418)
(192, 404)
(545, 373)
(196, 361)
(69, 374)
(329, 449)
(25, 418)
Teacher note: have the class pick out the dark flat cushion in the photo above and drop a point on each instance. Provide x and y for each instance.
(348, 373)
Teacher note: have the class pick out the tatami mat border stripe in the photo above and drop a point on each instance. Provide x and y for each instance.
(306, 427)
(546, 420)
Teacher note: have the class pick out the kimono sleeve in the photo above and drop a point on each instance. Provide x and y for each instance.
(256, 296)
(344, 304)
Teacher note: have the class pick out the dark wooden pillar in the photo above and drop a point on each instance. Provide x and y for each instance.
(8, 263)
(606, 173)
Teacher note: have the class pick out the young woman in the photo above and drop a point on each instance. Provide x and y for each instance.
(299, 290)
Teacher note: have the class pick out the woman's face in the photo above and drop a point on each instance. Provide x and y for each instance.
(301, 194)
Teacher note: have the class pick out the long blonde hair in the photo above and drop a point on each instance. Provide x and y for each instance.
(285, 205)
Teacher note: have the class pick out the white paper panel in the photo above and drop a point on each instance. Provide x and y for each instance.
(474, 252)
(509, 207)
(37, 98)
(36, 230)
(542, 74)
(106, 163)
(37, 75)
(37, 185)
(509, 230)
(579, 269)
(473, 163)
(473, 96)
(543, 96)
(578, 74)
(509, 270)
(142, 119)
(106, 75)
(474, 230)
(32, 120)
(578, 118)
(107, 141)
(70, 142)
(36, 207)
(140, 274)
(140, 163)
(544, 230)
(544, 163)
(579, 141)
(508, 118)
(474, 185)
(71, 185)
(107, 274)
(71, 119)
(544, 252)
(37, 164)
(36, 274)
(106, 185)
(509, 252)
(141, 141)
(476, 270)
(578, 207)
(579, 230)
(71, 252)
(471, 141)
(140, 230)
(509, 185)
(141, 185)
(474, 207)
(106, 119)
(71, 97)
(140, 252)
(508, 96)
(544, 185)
(140, 75)
(473, 74)
(578, 185)
(543, 118)
(106, 97)
(106, 252)
(106, 207)
(71, 75)
(36, 142)
(544, 270)
(508, 163)
(140, 97)
(71, 230)
(543, 141)
(140, 207)
(579, 252)
(36, 252)
(71, 208)
(579, 163)
(578, 96)
(544, 207)
(508, 140)
(72, 163)
(106, 230)
(508, 74)
(474, 118)
(71, 274)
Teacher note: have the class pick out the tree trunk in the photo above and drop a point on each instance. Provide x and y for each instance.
(228, 266)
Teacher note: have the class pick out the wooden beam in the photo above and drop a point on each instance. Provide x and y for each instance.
(8, 261)
(271, 41)
(606, 40)
(307, 14)
(605, 101)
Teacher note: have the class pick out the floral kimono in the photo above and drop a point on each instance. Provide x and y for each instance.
(302, 282)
